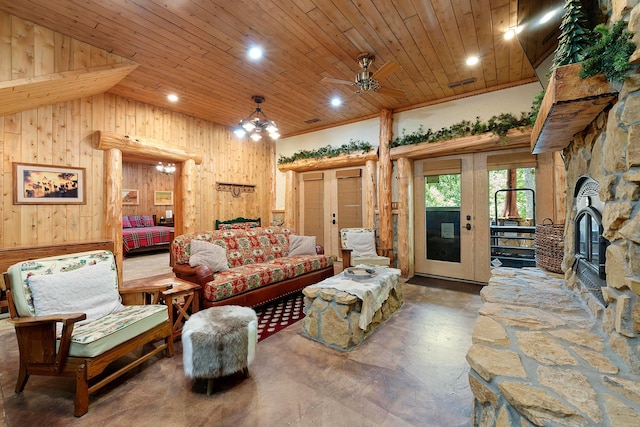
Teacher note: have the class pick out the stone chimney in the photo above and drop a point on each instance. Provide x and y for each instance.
(608, 151)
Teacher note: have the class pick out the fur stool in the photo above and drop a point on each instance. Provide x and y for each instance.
(219, 341)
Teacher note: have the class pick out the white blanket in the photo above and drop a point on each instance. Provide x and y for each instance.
(373, 292)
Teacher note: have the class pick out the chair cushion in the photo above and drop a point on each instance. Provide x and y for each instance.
(92, 290)
(302, 245)
(94, 338)
(376, 260)
(362, 244)
(209, 254)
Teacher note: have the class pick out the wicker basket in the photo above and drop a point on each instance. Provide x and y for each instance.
(549, 245)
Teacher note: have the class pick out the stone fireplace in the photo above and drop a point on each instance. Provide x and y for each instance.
(565, 349)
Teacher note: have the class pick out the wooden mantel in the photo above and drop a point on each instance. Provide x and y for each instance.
(569, 105)
(34, 92)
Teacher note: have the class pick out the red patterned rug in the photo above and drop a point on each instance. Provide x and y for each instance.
(279, 314)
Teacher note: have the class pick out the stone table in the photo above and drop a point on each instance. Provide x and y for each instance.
(339, 314)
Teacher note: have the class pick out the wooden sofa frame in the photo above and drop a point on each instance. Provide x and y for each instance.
(37, 335)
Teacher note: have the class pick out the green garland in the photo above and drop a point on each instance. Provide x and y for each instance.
(610, 54)
(498, 125)
(328, 151)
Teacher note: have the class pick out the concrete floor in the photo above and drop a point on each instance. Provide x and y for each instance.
(410, 372)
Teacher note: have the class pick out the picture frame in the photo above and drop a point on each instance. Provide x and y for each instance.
(130, 197)
(163, 198)
(36, 184)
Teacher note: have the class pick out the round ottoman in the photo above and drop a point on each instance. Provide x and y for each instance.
(219, 341)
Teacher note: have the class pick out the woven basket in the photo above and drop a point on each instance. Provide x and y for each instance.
(549, 243)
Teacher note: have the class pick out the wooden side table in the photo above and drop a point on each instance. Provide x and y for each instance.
(182, 296)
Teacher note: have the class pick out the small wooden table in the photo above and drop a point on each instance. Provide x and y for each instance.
(182, 296)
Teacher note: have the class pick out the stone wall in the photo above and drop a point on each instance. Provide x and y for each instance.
(608, 150)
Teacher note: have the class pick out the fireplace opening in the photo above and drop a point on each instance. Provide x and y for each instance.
(590, 246)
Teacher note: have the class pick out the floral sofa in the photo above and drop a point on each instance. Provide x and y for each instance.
(249, 267)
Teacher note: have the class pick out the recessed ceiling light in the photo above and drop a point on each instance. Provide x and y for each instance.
(172, 97)
(336, 102)
(255, 53)
(473, 60)
(512, 31)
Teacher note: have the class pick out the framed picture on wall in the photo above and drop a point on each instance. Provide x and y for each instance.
(163, 198)
(130, 197)
(35, 184)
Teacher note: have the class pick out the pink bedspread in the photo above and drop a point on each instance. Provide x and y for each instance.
(138, 237)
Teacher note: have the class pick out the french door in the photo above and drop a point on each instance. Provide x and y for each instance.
(447, 230)
(331, 200)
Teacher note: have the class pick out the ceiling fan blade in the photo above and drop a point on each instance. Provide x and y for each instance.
(391, 92)
(338, 81)
(387, 69)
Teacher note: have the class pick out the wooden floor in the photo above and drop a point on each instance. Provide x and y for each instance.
(410, 372)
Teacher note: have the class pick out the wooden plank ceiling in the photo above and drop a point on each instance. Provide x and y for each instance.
(198, 50)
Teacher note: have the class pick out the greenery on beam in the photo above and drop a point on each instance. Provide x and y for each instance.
(499, 125)
(328, 151)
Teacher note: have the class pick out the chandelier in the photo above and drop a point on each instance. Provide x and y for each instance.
(257, 123)
(167, 169)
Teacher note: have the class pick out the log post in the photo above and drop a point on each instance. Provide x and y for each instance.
(113, 204)
(291, 205)
(406, 262)
(384, 188)
(185, 200)
(370, 194)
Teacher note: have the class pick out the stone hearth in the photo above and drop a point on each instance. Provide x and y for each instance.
(540, 357)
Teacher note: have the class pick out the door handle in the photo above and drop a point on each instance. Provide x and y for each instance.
(468, 226)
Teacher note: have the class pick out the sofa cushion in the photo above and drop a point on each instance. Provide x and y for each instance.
(298, 265)
(302, 245)
(241, 279)
(91, 290)
(208, 254)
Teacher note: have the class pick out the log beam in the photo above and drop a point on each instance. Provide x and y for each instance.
(341, 161)
(145, 148)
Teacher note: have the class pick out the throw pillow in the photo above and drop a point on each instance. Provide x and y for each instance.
(209, 254)
(92, 290)
(302, 245)
(136, 221)
(125, 222)
(147, 221)
(362, 244)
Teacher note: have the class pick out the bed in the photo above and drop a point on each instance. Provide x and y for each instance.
(140, 234)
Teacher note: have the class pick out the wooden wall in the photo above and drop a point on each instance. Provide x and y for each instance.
(62, 134)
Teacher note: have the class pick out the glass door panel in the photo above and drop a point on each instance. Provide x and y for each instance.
(442, 217)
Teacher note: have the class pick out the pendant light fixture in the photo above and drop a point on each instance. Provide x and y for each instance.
(257, 123)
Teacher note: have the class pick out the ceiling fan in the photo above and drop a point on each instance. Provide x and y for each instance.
(367, 81)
